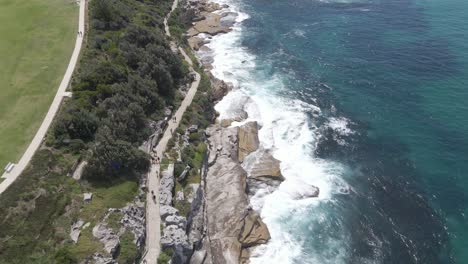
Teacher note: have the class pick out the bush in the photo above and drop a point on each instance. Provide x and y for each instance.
(64, 256)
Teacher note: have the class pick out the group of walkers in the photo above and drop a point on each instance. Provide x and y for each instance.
(155, 159)
(80, 33)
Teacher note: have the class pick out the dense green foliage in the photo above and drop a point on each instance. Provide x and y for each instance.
(127, 75)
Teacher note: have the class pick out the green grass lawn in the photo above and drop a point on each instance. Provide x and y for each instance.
(37, 38)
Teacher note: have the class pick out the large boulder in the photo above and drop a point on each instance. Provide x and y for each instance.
(107, 237)
(263, 166)
(196, 42)
(220, 89)
(248, 139)
(254, 231)
(176, 220)
(173, 235)
(76, 230)
(166, 210)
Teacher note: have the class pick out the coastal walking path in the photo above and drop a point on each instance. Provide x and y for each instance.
(153, 218)
(10, 177)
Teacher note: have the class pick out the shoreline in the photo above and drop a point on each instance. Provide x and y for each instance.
(263, 172)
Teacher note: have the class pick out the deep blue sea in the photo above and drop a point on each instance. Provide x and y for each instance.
(368, 100)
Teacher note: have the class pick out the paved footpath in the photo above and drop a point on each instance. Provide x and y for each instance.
(153, 218)
(10, 177)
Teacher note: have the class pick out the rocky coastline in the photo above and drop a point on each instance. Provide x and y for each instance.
(237, 165)
(220, 227)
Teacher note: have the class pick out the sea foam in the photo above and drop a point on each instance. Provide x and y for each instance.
(289, 134)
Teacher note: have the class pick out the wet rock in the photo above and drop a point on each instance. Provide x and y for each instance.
(306, 191)
(196, 42)
(254, 231)
(248, 139)
(210, 25)
(220, 89)
(228, 19)
(245, 256)
(263, 166)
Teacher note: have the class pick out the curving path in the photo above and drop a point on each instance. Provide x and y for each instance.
(10, 177)
(153, 219)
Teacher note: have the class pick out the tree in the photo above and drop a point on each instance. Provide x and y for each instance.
(75, 123)
(114, 158)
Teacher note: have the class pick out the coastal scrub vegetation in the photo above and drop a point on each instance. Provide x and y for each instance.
(126, 77)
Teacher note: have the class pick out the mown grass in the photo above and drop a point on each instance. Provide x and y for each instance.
(38, 38)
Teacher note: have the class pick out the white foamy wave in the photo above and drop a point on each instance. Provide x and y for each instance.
(291, 137)
(340, 125)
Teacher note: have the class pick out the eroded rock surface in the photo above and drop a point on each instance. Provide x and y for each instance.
(248, 139)
(230, 225)
(254, 231)
(263, 166)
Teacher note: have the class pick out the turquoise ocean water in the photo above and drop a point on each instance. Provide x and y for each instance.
(368, 101)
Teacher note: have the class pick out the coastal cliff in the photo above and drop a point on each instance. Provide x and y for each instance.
(231, 226)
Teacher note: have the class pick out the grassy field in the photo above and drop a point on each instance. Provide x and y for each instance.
(37, 40)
